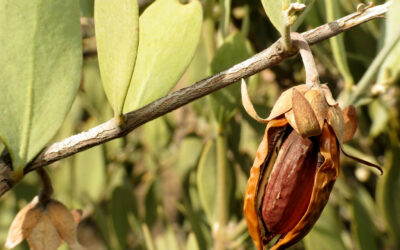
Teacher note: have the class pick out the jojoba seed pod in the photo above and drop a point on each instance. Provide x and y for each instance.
(296, 165)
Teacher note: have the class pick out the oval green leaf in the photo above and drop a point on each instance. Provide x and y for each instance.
(363, 228)
(90, 163)
(207, 180)
(390, 67)
(168, 33)
(117, 39)
(387, 194)
(191, 242)
(40, 72)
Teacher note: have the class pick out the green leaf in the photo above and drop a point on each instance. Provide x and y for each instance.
(194, 213)
(117, 38)
(87, 7)
(168, 240)
(153, 198)
(379, 114)
(100, 217)
(90, 171)
(119, 213)
(387, 194)
(362, 223)
(338, 47)
(93, 94)
(234, 50)
(122, 202)
(196, 70)
(156, 135)
(191, 242)
(207, 180)
(390, 68)
(188, 155)
(326, 234)
(168, 33)
(273, 8)
(40, 72)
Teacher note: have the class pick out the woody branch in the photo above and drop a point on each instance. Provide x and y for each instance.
(110, 129)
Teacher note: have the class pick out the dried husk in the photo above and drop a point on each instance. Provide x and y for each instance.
(44, 225)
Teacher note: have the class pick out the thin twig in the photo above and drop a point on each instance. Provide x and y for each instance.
(110, 130)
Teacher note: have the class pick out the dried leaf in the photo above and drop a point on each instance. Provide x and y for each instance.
(328, 95)
(64, 222)
(23, 223)
(306, 120)
(350, 123)
(336, 121)
(44, 236)
(317, 101)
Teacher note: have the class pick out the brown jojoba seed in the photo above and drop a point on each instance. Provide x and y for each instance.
(289, 188)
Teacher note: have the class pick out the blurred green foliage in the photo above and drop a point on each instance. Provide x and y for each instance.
(157, 188)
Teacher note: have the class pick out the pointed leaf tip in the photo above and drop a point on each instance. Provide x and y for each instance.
(168, 33)
(23, 223)
(117, 38)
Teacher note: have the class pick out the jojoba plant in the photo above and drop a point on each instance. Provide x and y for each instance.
(79, 73)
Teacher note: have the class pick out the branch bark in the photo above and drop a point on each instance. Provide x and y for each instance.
(110, 129)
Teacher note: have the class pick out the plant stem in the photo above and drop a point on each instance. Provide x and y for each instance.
(222, 193)
(289, 14)
(287, 42)
(312, 77)
(47, 190)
